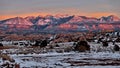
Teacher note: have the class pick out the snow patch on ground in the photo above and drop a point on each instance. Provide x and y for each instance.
(61, 59)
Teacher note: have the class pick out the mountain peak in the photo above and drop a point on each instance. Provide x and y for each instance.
(111, 18)
(114, 18)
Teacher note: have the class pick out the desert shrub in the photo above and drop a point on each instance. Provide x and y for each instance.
(118, 39)
(1, 44)
(68, 49)
(41, 43)
(105, 43)
(116, 48)
(82, 46)
(57, 45)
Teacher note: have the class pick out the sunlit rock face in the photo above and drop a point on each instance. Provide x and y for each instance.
(17, 23)
(106, 26)
(68, 26)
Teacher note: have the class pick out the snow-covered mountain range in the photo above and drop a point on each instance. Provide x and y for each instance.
(61, 23)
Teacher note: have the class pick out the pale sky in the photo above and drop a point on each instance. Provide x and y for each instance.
(93, 8)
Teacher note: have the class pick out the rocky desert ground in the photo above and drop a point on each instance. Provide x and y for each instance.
(61, 54)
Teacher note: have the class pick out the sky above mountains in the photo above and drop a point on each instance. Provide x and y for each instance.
(92, 8)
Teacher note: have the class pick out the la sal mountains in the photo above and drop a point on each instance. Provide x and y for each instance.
(60, 23)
